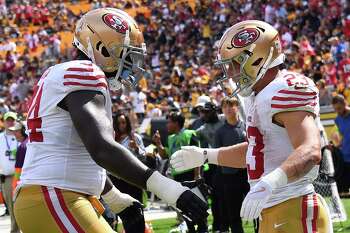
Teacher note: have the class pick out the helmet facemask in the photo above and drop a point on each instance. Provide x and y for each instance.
(129, 64)
(130, 69)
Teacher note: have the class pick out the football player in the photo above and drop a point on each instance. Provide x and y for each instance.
(71, 140)
(283, 149)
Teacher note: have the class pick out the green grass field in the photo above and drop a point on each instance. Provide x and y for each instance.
(164, 226)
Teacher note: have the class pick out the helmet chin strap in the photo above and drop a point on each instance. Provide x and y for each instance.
(90, 50)
(279, 60)
(114, 81)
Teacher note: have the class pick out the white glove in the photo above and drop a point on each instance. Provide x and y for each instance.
(117, 200)
(191, 156)
(260, 193)
(255, 200)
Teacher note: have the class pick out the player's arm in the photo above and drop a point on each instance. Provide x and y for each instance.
(305, 138)
(190, 156)
(233, 156)
(87, 110)
(91, 121)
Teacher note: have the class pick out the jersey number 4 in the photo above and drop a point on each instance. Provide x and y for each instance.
(34, 121)
(255, 155)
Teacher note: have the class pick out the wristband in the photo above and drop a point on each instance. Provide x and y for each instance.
(276, 178)
(211, 155)
(165, 188)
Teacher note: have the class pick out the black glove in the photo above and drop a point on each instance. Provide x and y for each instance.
(133, 219)
(201, 185)
(192, 207)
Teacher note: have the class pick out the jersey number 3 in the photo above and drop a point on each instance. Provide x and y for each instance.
(255, 156)
(34, 121)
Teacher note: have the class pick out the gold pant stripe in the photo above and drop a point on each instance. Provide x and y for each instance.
(73, 209)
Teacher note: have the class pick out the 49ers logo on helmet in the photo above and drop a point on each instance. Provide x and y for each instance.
(115, 22)
(245, 37)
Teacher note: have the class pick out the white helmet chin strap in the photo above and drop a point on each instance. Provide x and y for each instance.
(265, 67)
(279, 60)
(90, 50)
(114, 83)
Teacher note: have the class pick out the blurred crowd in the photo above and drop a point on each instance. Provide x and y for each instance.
(181, 37)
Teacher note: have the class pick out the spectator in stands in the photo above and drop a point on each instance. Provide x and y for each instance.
(178, 137)
(338, 48)
(342, 122)
(330, 71)
(8, 148)
(3, 107)
(139, 101)
(234, 182)
(324, 94)
(180, 37)
(344, 68)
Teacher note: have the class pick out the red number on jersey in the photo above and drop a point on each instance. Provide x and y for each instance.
(298, 82)
(256, 166)
(35, 122)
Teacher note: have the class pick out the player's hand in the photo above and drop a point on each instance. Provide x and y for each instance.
(255, 200)
(187, 158)
(133, 218)
(192, 207)
(177, 195)
(117, 200)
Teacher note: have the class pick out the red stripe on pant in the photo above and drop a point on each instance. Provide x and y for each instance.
(315, 215)
(52, 210)
(67, 212)
(304, 213)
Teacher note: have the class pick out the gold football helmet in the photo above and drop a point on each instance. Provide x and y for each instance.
(246, 51)
(113, 41)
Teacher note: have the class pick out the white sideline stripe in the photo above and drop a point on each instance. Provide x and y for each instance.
(310, 212)
(58, 209)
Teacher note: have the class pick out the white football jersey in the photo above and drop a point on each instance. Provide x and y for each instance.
(56, 156)
(269, 145)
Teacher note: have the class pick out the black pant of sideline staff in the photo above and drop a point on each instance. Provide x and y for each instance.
(112, 219)
(202, 226)
(235, 187)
